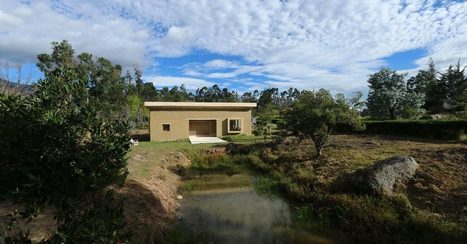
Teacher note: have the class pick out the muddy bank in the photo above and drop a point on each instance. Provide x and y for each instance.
(150, 195)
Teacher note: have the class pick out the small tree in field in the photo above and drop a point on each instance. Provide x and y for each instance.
(316, 114)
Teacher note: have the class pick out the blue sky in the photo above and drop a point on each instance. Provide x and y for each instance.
(243, 44)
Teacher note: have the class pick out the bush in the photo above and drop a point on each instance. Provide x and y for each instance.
(432, 129)
(62, 151)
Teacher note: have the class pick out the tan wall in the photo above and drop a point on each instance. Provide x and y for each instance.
(179, 122)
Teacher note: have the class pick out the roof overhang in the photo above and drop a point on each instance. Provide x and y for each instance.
(199, 105)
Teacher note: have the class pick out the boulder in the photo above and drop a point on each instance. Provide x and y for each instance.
(382, 177)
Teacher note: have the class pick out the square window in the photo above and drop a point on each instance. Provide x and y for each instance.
(235, 125)
(165, 127)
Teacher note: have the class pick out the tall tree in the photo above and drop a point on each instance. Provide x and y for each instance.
(250, 97)
(268, 96)
(456, 83)
(388, 96)
(423, 79)
(59, 150)
(103, 80)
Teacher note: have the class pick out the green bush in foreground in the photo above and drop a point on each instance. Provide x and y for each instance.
(59, 150)
(431, 129)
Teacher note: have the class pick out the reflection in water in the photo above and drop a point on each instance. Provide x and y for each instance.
(240, 215)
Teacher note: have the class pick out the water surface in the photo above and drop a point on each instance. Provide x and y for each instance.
(235, 213)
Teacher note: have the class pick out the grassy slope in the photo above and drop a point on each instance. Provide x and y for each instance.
(438, 187)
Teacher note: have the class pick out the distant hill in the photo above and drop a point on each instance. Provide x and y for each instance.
(14, 88)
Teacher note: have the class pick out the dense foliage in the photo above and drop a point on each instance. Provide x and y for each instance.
(316, 114)
(392, 97)
(64, 146)
(432, 129)
(389, 97)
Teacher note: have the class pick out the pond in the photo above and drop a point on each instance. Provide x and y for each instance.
(226, 209)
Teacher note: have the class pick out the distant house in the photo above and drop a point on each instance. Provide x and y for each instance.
(179, 120)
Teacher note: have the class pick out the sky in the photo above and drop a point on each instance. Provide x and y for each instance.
(242, 44)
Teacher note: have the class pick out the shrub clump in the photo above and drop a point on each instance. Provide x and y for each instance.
(431, 129)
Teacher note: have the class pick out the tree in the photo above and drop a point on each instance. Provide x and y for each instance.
(423, 79)
(268, 96)
(215, 94)
(456, 83)
(265, 118)
(136, 111)
(103, 80)
(287, 97)
(315, 115)
(388, 96)
(250, 97)
(59, 150)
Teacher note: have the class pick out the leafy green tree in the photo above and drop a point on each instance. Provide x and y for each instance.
(59, 150)
(250, 97)
(266, 119)
(268, 96)
(103, 80)
(388, 96)
(315, 115)
(423, 79)
(287, 97)
(456, 83)
(215, 94)
(138, 114)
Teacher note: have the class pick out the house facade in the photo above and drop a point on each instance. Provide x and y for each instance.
(180, 120)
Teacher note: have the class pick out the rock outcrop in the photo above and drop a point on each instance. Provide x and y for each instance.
(382, 176)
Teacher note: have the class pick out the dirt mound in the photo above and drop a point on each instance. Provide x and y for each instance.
(150, 198)
(148, 208)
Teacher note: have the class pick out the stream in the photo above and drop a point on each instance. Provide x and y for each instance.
(226, 209)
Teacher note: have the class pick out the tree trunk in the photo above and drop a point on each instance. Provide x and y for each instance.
(392, 114)
(318, 152)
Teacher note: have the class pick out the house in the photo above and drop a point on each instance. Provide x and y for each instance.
(179, 120)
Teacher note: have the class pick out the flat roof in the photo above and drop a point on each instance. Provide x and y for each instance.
(198, 105)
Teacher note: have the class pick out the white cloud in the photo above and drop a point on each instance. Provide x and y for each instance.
(28, 29)
(309, 44)
(220, 64)
(190, 83)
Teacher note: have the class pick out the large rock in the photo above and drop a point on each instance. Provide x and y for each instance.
(382, 176)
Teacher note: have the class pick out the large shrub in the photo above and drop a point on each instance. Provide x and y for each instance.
(432, 129)
(59, 150)
(315, 115)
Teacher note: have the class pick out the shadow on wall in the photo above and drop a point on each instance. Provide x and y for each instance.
(224, 127)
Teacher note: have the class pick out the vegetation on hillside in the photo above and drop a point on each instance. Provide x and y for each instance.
(312, 185)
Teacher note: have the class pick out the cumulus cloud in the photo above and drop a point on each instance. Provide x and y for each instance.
(27, 29)
(309, 44)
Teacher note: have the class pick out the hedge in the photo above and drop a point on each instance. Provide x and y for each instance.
(432, 129)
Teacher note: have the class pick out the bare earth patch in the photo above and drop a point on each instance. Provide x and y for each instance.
(150, 192)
